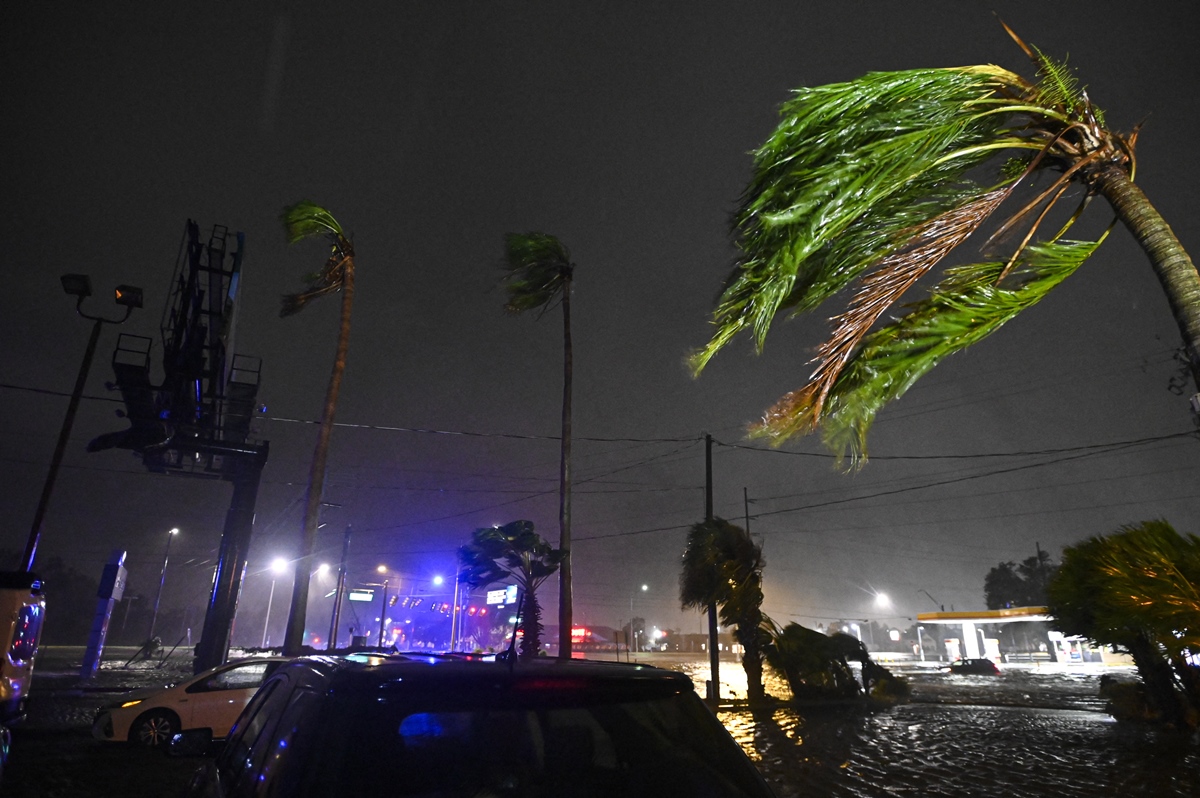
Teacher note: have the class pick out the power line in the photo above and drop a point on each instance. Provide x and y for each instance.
(976, 456)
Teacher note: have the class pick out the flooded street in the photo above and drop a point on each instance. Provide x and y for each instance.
(1027, 732)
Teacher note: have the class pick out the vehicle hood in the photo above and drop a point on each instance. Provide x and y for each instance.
(140, 694)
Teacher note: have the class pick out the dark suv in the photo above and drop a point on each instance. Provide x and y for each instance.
(409, 725)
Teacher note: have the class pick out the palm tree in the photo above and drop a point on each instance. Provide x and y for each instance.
(1139, 589)
(722, 567)
(513, 551)
(872, 180)
(306, 220)
(815, 665)
(538, 270)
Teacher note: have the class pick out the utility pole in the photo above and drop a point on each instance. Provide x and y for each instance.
(746, 508)
(338, 591)
(714, 663)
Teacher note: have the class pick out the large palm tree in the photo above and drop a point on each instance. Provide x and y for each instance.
(306, 220)
(877, 180)
(538, 271)
(722, 568)
(513, 551)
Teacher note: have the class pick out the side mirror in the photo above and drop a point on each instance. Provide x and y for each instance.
(194, 743)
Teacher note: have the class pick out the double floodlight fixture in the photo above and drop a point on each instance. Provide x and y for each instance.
(80, 287)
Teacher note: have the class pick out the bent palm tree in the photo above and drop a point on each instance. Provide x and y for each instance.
(722, 567)
(869, 181)
(538, 270)
(514, 551)
(1139, 588)
(306, 220)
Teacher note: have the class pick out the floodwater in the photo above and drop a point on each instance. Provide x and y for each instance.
(1027, 732)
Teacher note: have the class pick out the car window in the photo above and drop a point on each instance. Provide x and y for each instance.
(248, 738)
(290, 753)
(652, 748)
(239, 677)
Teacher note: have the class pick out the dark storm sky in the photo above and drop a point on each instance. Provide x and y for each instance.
(430, 130)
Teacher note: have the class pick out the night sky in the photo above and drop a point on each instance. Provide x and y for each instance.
(430, 130)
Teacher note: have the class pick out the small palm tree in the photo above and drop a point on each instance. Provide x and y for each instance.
(513, 551)
(722, 568)
(1139, 589)
(306, 220)
(538, 270)
(874, 181)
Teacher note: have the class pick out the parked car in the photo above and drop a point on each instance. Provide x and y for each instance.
(449, 726)
(211, 700)
(976, 667)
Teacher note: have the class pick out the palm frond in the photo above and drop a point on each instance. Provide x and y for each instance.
(962, 310)
(851, 167)
(537, 266)
(895, 274)
(306, 219)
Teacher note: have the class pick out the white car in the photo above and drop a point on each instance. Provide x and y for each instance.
(210, 700)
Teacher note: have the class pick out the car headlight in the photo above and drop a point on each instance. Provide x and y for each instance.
(135, 702)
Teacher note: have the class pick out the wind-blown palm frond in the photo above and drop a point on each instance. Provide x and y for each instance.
(962, 310)
(851, 168)
(1153, 574)
(878, 180)
(1139, 588)
(308, 220)
(536, 266)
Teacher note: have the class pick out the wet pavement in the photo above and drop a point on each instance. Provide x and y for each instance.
(1027, 732)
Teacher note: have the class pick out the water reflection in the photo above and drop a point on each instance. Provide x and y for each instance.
(1023, 733)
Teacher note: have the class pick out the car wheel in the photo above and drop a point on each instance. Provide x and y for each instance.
(154, 729)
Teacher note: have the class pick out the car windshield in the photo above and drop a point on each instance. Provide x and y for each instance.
(654, 747)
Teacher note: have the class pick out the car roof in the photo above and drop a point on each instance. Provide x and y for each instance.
(366, 671)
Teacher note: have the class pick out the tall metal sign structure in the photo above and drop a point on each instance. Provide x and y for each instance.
(199, 421)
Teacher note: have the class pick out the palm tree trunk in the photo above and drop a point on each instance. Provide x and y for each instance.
(1171, 262)
(565, 611)
(293, 639)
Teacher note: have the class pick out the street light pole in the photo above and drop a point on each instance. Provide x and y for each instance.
(278, 566)
(162, 578)
(383, 613)
(267, 619)
(79, 286)
(632, 633)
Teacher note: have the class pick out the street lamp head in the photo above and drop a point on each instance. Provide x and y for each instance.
(279, 566)
(173, 531)
(128, 295)
(645, 588)
(438, 580)
(882, 601)
(382, 569)
(323, 568)
(79, 285)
